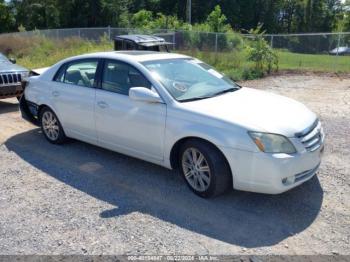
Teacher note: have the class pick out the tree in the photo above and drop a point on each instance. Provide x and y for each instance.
(260, 52)
(116, 12)
(276, 16)
(347, 15)
(142, 19)
(7, 20)
(217, 21)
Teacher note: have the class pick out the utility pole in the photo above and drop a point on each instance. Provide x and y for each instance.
(189, 11)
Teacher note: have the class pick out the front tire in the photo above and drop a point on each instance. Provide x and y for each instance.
(51, 127)
(204, 168)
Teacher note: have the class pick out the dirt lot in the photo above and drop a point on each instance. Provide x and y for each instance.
(80, 199)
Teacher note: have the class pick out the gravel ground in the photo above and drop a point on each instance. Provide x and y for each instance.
(80, 199)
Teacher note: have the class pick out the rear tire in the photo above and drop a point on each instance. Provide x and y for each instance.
(204, 168)
(51, 127)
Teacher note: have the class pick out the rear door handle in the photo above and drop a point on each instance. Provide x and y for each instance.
(55, 93)
(102, 104)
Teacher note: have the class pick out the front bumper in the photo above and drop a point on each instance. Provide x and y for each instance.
(7, 91)
(271, 173)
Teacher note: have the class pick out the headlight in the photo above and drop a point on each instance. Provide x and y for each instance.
(272, 143)
(24, 74)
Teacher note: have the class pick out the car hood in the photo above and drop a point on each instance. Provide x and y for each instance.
(257, 111)
(6, 66)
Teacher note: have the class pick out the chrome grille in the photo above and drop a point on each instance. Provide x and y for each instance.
(10, 79)
(312, 137)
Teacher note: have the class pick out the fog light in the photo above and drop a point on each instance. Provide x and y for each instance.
(288, 180)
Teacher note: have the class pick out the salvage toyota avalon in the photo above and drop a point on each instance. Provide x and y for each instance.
(178, 112)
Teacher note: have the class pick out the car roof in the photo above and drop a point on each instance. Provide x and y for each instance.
(138, 56)
(144, 40)
(140, 38)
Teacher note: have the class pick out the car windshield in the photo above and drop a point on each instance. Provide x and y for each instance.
(190, 79)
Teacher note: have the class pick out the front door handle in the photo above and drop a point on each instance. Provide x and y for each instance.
(102, 104)
(55, 93)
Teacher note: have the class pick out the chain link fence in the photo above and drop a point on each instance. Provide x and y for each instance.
(325, 51)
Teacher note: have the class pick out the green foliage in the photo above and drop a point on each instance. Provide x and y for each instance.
(145, 19)
(260, 52)
(218, 24)
(114, 13)
(7, 20)
(202, 37)
(307, 62)
(141, 19)
(21, 28)
(38, 51)
(277, 16)
(217, 21)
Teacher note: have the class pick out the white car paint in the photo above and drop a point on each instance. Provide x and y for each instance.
(149, 131)
(39, 71)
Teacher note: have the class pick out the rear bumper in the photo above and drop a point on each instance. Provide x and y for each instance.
(29, 111)
(271, 173)
(7, 91)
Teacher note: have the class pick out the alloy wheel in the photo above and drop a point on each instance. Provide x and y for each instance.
(196, 169)
(50, 125)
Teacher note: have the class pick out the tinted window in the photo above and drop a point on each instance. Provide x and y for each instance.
(120, 77)
(118, 45)
(81, 73)
(129, 45)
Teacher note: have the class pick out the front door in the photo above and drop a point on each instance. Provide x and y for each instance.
(124, 125)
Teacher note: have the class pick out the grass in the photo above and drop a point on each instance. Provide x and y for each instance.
(47, 58)
(321, 63)
(236, 66)
(37, 52)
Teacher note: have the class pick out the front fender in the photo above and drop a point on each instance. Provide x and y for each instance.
(221, 135)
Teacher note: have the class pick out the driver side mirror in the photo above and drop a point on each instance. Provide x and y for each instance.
(144, 94)
(13, 60)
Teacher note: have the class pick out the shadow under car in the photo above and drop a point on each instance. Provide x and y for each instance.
(131, 185)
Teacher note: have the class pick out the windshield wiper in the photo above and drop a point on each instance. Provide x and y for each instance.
(224, 91)
(232, 89)
(194, 98)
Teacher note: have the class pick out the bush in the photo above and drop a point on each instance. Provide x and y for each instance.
(39, 51)
(18, 45)
(260, 52)
(147, 21)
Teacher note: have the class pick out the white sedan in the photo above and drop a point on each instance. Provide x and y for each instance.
(178, 112)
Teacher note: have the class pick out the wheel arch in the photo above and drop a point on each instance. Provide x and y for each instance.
(175, 150)
(41, 107)
(44, 105)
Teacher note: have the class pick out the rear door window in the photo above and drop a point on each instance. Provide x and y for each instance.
(80, 73)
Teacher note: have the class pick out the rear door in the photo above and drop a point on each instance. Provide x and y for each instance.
(73, 95)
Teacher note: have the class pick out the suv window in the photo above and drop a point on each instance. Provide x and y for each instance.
(129, 45)
(81, 73)
(119, 77)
